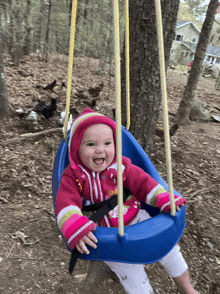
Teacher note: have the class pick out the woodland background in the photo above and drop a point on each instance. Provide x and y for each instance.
(33, 257)
(43, 26)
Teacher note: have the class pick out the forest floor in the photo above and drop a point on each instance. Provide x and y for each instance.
(33, 257)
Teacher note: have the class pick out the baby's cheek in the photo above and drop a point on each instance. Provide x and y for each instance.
(111, 156)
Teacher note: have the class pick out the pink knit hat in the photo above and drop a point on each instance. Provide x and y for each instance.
(86, 119)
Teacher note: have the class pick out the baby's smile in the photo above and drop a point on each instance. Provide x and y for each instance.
(99, 161)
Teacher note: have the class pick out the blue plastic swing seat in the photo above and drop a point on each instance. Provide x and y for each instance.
(142, 243)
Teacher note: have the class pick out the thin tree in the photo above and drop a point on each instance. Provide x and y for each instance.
(17, 19)
(27, 39)
(46, 43)
(39, 27)
(144, 66)
(184, 109)
(70, 11)
(4, 102)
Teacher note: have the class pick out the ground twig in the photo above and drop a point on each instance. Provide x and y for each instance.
(30, 135)
(3, 199)
(200, 192)
(9, 253)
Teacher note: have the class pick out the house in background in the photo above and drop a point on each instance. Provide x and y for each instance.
(185, 42)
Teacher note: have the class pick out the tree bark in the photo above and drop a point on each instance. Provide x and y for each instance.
(38, 29)
(46, 43)
(17, 19)
(144, 66)
(70, 12)
(184, 109)
(11, 29)
(4, 102)
(27, 40)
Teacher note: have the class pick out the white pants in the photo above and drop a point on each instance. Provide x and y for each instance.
(133, 276)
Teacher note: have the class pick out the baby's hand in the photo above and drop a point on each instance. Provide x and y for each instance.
(163, 202)
(88, 239)
(178, 207)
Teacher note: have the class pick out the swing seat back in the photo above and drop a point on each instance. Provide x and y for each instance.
(142, 243)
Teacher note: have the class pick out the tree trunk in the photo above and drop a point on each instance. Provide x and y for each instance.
(70, 12)
(11, 29)
(184, 110)
(17, 18)
(46, 43)
(3, 16)
(37, 47)
(27, 40)
(144, 66)
(4, 102)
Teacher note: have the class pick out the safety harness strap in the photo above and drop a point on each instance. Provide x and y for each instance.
(106, 206)
(110, 202)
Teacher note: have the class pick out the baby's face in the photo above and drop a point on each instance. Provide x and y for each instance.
(97, 149)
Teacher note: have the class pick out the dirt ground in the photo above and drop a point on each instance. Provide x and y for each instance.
(33, 257)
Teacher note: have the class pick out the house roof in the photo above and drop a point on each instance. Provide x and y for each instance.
(192, 46)
(186, 22)
(187, 45)
(182, 22)
(215, 51)
(210, 50)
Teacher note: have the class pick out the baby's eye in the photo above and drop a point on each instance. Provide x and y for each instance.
(90, 144)
(108, 143)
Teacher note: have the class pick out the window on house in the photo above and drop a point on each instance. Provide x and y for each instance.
(185, 54)
(194, 40)
(179, 38)
(218, 60)
(191, 56)
(208, 59)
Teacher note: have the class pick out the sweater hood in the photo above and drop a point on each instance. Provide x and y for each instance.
(86, 119)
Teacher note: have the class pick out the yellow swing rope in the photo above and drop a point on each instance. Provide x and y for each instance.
(127, 63)
(118, 117)
(164, 103)
(71, 51)
(118, 93)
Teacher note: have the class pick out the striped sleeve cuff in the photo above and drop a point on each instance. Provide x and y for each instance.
(73, 225)
(78, 235)
(67, 213)
(151, 197)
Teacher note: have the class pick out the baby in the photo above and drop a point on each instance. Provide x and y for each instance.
(91, 177)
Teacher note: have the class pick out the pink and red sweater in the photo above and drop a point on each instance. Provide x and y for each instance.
(83, 185)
